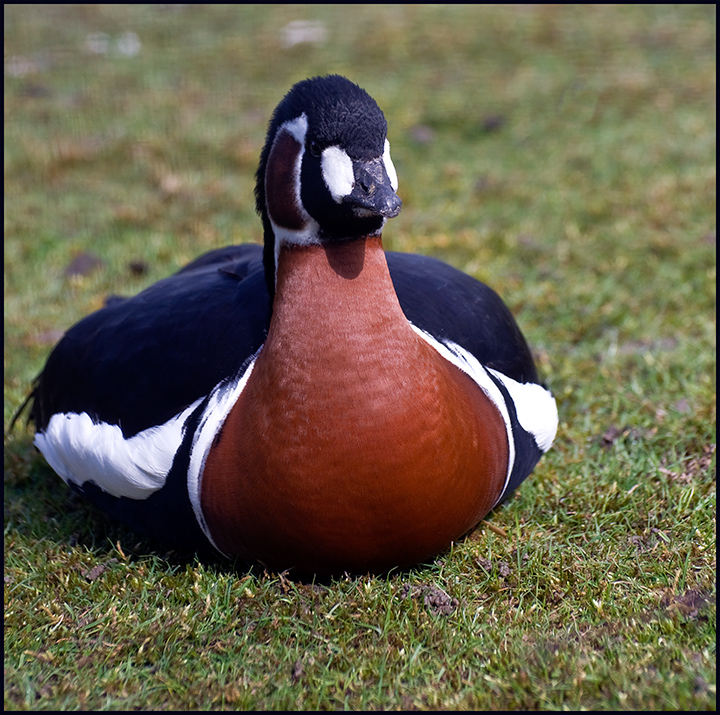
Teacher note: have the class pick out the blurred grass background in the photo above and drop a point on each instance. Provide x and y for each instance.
(563, 154)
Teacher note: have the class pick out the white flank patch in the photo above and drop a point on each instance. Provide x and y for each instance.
(220, 402)
(390, 167)
(536, 409)
(472, 367)
(81, 451)
(337, 170)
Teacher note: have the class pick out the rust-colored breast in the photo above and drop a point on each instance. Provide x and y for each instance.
(354, 445)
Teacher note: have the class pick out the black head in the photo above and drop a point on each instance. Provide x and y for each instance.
(325, 171)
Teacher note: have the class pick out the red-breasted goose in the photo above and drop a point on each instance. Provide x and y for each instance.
(316, 404)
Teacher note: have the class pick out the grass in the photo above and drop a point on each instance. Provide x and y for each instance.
(564, 155)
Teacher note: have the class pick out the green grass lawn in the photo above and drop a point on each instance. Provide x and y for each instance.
(565, 156)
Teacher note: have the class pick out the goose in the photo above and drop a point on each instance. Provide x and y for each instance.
(317, 403)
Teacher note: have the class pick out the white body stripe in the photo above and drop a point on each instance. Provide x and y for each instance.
(81, 451)
(220, 402)
(471, 366)
(535, 406)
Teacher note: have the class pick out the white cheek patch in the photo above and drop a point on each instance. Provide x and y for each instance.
(535, 407)
(337, 171)
(80, 451)
(390, 167)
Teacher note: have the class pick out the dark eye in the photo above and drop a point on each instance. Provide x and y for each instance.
(315, 149)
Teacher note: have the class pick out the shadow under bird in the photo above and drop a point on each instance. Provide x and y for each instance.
(316, 403)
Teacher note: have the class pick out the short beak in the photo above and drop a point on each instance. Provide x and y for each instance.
(373, 194)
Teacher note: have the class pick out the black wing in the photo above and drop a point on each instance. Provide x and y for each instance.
(136, 364)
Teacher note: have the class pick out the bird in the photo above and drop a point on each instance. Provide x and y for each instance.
(316, 403)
